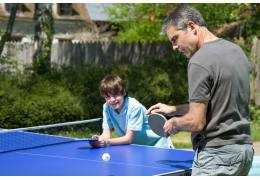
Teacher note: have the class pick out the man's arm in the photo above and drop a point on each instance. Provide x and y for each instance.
(169, 111)
(193, 121)
(179, 110)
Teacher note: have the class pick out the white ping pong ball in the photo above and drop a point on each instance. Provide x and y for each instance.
(106, 157)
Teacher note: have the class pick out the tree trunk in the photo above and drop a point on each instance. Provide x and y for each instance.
(43, 38)
(9, 28)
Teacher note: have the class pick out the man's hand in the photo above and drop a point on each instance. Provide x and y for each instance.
(161, 108)
(170, 126)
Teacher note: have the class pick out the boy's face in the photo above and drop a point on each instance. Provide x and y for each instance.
(115, 101)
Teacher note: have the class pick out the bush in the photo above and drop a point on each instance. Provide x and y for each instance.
(156, 80)
(255, 113)
(8, 65)
(72, 93)
(43, 103)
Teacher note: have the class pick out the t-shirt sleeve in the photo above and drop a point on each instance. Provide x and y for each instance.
(199, 83)
(136, 119)
(106, 124)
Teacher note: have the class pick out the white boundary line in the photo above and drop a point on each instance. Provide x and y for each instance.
(50, 125)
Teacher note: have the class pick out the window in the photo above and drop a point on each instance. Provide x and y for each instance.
(20, 9)
(23, 10)
(67, 9)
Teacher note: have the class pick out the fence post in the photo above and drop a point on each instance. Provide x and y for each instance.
(255, 84)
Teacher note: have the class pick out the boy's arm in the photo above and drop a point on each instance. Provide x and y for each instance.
(126, 139)
(103, 139)
(106, 134)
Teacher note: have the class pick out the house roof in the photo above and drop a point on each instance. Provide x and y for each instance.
(97, 12)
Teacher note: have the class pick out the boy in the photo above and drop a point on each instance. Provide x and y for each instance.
(126, 116)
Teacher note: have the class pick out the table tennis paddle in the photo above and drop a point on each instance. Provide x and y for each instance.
(90, 142)
(156, 122)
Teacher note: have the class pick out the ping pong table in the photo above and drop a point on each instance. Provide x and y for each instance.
(74, 158)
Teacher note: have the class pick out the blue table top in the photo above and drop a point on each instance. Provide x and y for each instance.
(74, 159)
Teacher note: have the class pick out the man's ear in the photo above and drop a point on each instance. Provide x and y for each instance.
(191, 26)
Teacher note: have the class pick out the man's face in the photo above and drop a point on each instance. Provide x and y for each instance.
(185, 41)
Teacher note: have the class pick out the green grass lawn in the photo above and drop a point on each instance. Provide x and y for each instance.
(255, 131)
(182, 139)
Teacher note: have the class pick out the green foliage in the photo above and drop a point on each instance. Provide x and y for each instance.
(255, 113)
(255, 122)
(44, 36)
(255, 131)
(77, 133)
(142, 22)
(8, 65)
(139, 22)
(156, 80)
(255, 119)
(72, 93)
(84, 82)
(42, 103)
(218, 14)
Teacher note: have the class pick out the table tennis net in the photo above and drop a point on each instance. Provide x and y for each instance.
(33, 137)
(11, 141)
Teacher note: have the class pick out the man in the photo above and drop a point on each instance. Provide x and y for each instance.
(218, 111)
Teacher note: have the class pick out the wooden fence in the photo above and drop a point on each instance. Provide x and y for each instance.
(77, 53)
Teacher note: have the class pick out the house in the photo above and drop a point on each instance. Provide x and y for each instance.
(69, 18)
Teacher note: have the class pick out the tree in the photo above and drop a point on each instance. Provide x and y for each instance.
(43, 37)
(139, 22)
(7, 35)
(142, 22)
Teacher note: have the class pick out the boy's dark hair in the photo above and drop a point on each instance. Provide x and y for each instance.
(112, 84)
(181, 16)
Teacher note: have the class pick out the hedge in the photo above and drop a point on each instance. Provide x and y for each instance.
(71, 93)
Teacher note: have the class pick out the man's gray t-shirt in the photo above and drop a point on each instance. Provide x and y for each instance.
(218, 73)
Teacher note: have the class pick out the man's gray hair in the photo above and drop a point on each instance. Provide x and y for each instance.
(181, 16)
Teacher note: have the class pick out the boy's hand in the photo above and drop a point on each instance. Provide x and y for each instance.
(97, 144)
(100, 137)
(96, 137)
